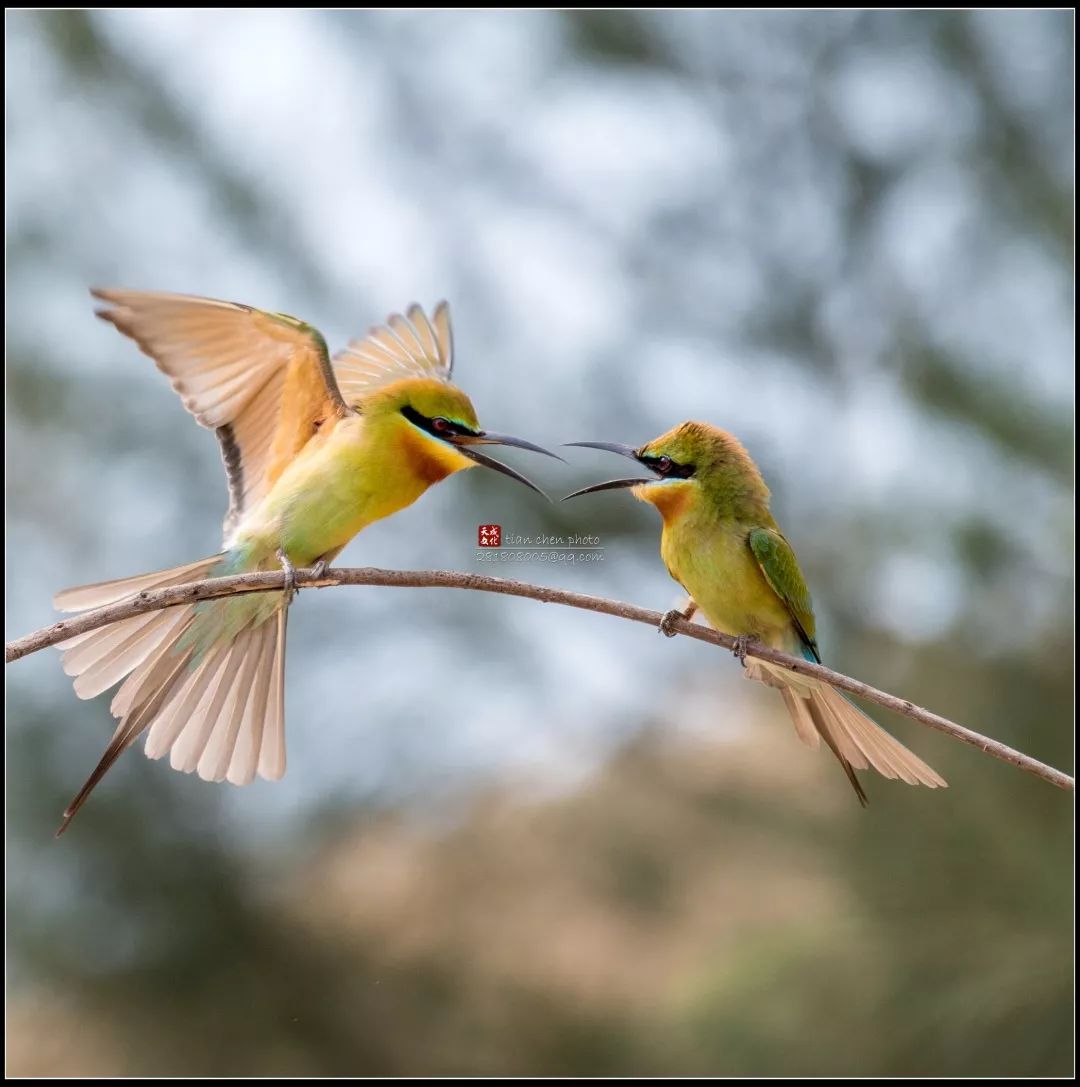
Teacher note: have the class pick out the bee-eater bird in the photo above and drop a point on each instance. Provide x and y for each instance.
(721, 544)
(315, 450)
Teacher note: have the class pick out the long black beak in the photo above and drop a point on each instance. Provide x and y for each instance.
(486, 437)
(610, 447)
(467, 444)
(612, 484)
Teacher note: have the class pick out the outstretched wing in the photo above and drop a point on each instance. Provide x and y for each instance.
(262, 381)
(781, 569)
(409, 346)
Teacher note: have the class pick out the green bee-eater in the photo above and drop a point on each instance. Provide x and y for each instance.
(315, 450)
(721, 544)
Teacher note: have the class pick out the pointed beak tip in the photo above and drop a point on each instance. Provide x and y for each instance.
(497, 466)
(610, 485)
(607, 447)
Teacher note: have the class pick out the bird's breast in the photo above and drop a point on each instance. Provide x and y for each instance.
(715, 565)
(340, 483)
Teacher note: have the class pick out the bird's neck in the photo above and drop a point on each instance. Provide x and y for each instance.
(675, 499)
(705, 504)
(424, 458)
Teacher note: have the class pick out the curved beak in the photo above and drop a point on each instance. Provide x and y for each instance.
(467, 443)
(612, 484)
(610, 447)
(486, 437)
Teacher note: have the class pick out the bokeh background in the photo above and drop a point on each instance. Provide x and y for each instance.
(518, 839)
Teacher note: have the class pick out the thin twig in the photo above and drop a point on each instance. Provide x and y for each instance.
(154, 599)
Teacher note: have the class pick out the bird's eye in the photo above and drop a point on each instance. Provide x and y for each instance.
(663, 465)
(443, 426)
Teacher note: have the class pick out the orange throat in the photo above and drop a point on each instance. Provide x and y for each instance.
(672, 499)
(428, 459)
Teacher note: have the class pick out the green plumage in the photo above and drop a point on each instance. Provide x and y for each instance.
(781, 570)
(721, 544)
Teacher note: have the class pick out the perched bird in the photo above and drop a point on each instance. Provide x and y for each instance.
(721, 544)
(315, 450)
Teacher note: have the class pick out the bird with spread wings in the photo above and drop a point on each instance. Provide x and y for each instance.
(315, 449)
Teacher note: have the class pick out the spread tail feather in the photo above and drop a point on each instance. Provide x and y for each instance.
(111, 592)
(819, 712)
(217, 710)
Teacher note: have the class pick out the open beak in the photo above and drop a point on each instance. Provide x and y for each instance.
(467, 444)
(611, 484)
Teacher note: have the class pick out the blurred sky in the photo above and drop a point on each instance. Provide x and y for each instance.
(795, 226)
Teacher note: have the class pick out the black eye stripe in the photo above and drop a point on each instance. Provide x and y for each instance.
(666, 467)
(445, 428)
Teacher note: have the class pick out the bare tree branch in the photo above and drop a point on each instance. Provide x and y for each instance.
(155, 599)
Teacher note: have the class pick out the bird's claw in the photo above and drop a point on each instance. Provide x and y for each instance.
(290, 576)
(320, 568)
(666, 626)
(742, 644)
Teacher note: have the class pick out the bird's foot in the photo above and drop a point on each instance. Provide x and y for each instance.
(290, 576)
(742, 645)
(320, 568)
(667, 624)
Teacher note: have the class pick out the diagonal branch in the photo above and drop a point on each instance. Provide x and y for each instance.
(154, 599)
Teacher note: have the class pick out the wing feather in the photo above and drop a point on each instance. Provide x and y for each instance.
(262, 380)
(406, 346)
(780, 568)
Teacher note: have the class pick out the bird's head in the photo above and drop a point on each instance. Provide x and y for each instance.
(692, 466)
(435, 426)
